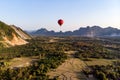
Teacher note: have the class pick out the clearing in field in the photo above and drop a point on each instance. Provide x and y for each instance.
(99, 62)
(20, 62)
(71, 69)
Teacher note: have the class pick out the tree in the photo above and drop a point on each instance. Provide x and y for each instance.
(102, 76)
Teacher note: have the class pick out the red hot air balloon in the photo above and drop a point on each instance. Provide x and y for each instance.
(60, 22)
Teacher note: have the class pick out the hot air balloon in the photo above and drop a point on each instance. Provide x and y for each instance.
(60, 22)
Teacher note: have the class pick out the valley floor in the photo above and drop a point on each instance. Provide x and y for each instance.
(72, 68)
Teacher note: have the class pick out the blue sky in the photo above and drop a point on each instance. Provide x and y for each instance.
(35, 14)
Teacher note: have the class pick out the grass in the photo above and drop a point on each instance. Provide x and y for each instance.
(19, 62)
(99, 62)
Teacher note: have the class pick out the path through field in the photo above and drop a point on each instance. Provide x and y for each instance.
(71, 69)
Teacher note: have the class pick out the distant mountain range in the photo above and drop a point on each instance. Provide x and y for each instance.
(94, 31)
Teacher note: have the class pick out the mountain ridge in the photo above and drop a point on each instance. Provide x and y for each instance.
(11, 35)
(93, 31)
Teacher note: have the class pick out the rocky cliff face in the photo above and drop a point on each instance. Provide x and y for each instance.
(11, 35)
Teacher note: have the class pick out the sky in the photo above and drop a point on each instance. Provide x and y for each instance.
(36, 14)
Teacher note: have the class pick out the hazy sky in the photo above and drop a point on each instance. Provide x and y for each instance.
(35, 14)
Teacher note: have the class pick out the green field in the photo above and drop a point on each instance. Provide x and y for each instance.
(81, 55)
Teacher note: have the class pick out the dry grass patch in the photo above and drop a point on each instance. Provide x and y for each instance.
(99, 62)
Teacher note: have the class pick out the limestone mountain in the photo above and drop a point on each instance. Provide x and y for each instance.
(93, 31)
(11, 35)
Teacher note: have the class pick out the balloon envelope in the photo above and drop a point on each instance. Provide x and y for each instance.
(60, 22)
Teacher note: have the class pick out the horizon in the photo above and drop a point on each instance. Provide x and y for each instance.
(33, 15)
(73, 30)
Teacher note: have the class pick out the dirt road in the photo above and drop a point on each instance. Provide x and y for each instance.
(71, 69)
